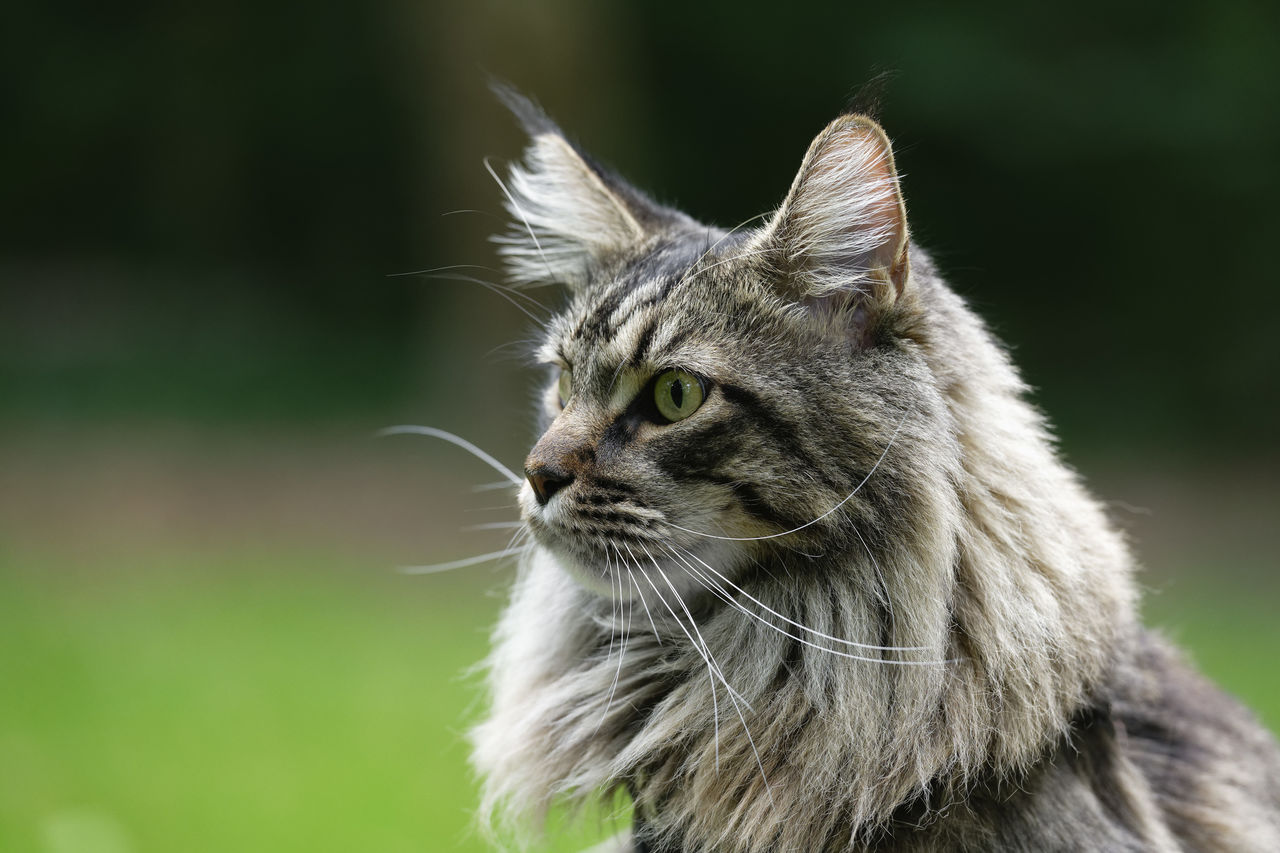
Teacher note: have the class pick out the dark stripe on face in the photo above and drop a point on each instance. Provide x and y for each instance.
(645, 343)
(613, 516)
(669, 263)
(753, 502)
(646, 338)
(595, 323)
(699, 451)
(643, 305)
(757, 506)
(781, 432)
(623, 489)
(619, 434)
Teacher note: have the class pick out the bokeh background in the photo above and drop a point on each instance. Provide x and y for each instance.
(203, 643)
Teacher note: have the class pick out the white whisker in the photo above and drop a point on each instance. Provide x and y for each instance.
(463, 563)
(446, 268)
(694, 269)
(613, 609)
(733, 258)
(715, 669)
(516, 207)
(706, 582)
(789, 621)
(700, 642)
(495, 525)
(489, 487)
(622, 650)
(715, 704)
(888, 602)
(497, 289)
(644, 603)
(414, 429)
(848, 498)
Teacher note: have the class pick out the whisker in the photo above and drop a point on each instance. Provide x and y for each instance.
(772, 612)
(694, 625)
(436, 274)
(888, 661)
(414, 429)
(522, 535)
(888, 602)
(445, 268)
(699, 644)
(613, 615)
(848, 498)
(622, 652)
(694, 269)
(715, 704)
(733, 695)
(463, 563)
(487, 213)
(520, 349)
(644, 603)
(516, 208)
(733, 258)
(495, 525)
(509, 293)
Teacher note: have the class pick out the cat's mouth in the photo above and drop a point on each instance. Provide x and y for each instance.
(622, 550)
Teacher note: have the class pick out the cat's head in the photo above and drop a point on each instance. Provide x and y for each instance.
(710, 390)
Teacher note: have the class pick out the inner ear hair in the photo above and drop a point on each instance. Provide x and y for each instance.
(842, 229)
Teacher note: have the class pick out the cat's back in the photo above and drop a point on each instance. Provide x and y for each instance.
(1163, 761)
(1213, 769)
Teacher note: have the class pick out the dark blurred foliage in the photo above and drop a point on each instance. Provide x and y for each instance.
(202, 201)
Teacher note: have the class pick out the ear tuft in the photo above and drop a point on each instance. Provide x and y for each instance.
(567, 213)
(564, 218)
(843, 226)
(526, 110)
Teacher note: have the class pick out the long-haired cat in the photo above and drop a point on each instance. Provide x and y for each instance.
(807, 573)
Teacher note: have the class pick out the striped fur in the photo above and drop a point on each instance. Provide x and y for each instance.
(949, 660)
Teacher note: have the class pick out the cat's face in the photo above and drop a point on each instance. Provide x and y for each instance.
(655, 419)
(710, 391)
(688, 400)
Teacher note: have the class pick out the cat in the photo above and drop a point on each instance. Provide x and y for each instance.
(806, 572)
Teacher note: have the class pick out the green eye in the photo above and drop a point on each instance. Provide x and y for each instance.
(566, 386)
(677, 394)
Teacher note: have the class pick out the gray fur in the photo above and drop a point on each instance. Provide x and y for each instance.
(970, 674)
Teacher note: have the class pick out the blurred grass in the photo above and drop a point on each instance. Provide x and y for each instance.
(276, 701)
(236, 701)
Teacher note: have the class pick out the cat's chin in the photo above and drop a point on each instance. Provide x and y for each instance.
(594, 573)
(639, 575)
(590, 575)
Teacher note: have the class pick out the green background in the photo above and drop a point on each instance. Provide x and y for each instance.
(203, 643)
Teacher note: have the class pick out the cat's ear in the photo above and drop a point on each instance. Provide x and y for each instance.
(840, 238)
(568, 214)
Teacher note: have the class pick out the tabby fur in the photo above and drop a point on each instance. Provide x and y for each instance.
(970, 674)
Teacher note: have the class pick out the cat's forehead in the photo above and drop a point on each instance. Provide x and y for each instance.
(658, 309)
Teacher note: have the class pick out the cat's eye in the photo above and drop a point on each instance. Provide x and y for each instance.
(566, 386)
(677, 394)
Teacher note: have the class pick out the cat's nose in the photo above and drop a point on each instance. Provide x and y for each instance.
(546, 481)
